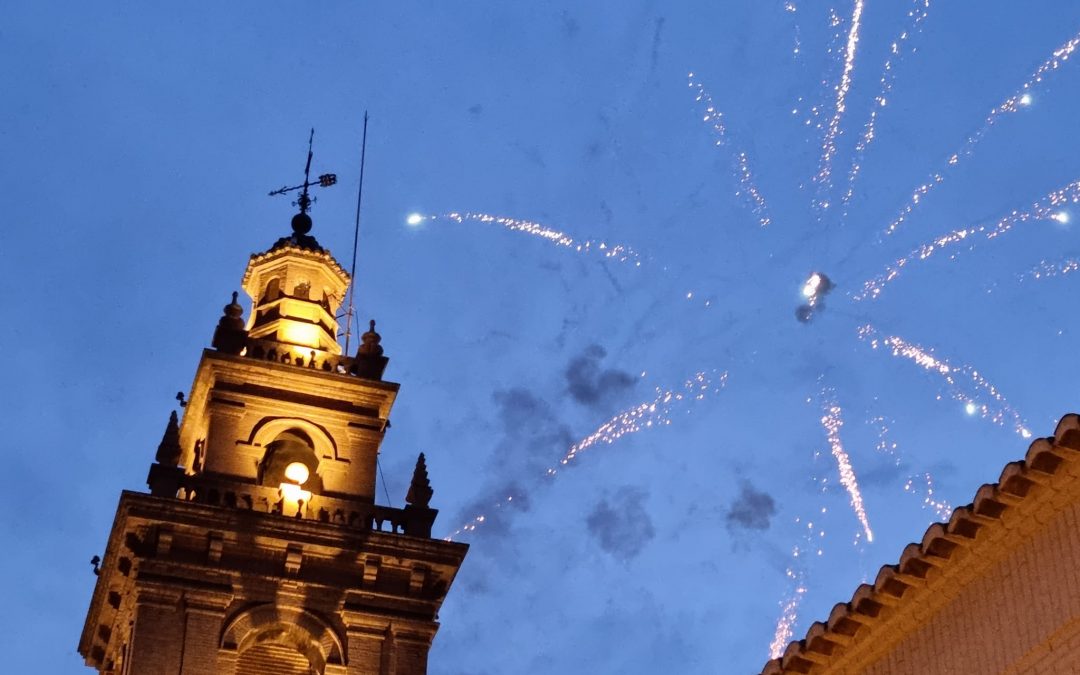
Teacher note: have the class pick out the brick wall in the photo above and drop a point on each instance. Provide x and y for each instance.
(1018, 614)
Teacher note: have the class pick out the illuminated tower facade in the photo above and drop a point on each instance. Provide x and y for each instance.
(260, 549)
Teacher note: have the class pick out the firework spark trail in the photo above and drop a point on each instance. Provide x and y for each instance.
(748, 189)
(941, 508)
(813, 537)
(884, 446)
(654, 413)
(791, 8)
(1001, 414)
(828, 146)
(1047, 269)
(613, 251)
(1019, 100)
(1046, 209)
(789, 608)
(832, 421)
(917, 15)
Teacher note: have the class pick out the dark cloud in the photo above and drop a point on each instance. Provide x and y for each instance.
(570, 26)
(882, 472)
(592, 385)
(751, 510)
(531, 438)
(655, 55)
(620, 524)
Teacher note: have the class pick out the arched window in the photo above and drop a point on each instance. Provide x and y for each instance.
(291, 458)
(271, 657)
(275, 640)
(273, 290)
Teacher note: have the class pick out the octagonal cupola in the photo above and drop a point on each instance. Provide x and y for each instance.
(296, 289)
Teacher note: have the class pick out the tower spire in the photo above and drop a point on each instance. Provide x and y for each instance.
(168, 451)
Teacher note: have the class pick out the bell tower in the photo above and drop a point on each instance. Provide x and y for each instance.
(260, 548)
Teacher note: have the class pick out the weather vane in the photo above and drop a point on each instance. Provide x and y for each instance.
(325, 180)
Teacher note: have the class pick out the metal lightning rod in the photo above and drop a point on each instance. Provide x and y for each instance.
(356, 238)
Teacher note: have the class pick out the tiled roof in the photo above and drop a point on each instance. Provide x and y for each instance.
(1021, 485)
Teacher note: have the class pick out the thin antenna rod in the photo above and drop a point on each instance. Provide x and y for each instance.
(386, 491)
(356, 238)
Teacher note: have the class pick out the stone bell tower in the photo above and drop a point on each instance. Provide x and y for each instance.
(260, 549)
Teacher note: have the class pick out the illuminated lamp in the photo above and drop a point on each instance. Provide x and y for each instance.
(292, 492)
(297, 472)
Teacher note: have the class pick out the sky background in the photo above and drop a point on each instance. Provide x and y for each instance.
(140, 140)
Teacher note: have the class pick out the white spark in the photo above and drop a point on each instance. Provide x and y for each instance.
(941, 508)
(1047, 269)
(617, 252)
(715, 118)
(917, 15)
(832, 421)
(960, 380)
(828, 147)
(1022, 98)
(1045, 209)
(646, 415)
(789, 612)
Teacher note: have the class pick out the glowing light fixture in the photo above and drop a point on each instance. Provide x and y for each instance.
(297, 333)
(1025, 99)
(297, 472)
(1061, 216)
(971, 408)
(414, 219)
(294, 493)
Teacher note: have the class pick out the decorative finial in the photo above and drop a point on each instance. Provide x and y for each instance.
(96, 562)
(369, 342)
(420, 491)
(301, 222)
(168, 451)
(230, 336)
(369, 362)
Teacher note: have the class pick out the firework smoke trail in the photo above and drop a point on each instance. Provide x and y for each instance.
(1046, 209)
(1002, 414)
(1046, 269)
(832, 421)
(613, 251)
(645, 415)
(941, 508)
(917, 15)
(828, 146)
(748, 189)
(1018, 101)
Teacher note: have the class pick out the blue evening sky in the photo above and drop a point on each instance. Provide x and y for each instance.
(139, 141)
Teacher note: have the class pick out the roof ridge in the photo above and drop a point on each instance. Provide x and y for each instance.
(855, 620)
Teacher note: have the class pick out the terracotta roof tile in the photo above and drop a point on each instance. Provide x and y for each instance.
(942, 545)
